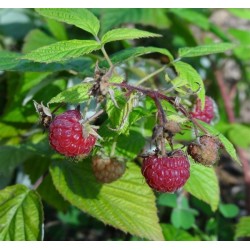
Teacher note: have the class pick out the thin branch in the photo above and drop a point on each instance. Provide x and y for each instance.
(225, 96)
(40, 180)
(231, 117)
(151, 75)
(105, 53)
(94, 116)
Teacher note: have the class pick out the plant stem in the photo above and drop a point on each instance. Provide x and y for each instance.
(40, 180)
(94, 116)
(151, 75)
(231, 117)
(104, 52)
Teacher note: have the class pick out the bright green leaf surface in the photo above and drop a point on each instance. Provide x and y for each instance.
(76, 94)
(243, 227)
(81, 18)
(182, 218)
(21, 214)
(172, 233)
(62, 51)
(229, 210)
(203, 50)
(203, 184)
(188, 77)
(126, 34)
(127, 204)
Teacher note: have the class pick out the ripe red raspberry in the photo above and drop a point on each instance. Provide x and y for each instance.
(107, 170)
(207, 114)
(166, 173)
(206, 152)
(66, 135)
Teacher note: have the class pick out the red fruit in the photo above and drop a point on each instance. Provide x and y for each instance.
(207, 114)
(166, 174)
(66, 135)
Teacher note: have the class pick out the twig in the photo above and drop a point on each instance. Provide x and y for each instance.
(40, 180)
(151, 75)
(225, 96)
(105, 53)
(94, 116)
(231, 117)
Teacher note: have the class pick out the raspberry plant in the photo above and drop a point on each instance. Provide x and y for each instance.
(108, 128)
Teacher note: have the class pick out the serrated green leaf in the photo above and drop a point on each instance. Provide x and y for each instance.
(182, 218)
(229, 210)
(76, 94)
(127, 204)
(203, 184)
(243, 227)
(21, 214)
(12, 62)
(126, 34)
(131, 53)
(36, 39)
(62, 51)
(203, 50)
(172, 233)
(81, 18)
(188, 77)
(226, 143)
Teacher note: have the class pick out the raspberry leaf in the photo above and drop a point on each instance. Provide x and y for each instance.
(172, 233)
(130, 53)
(62, 51)
(110, 203)
(126, 34)
(81, 18)
(203, 50)
(203, 184)
(76, 94)
(21, 214)
(188, 78)
(182, 218)
(226, 143)
(12, 61)
(243, 227)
